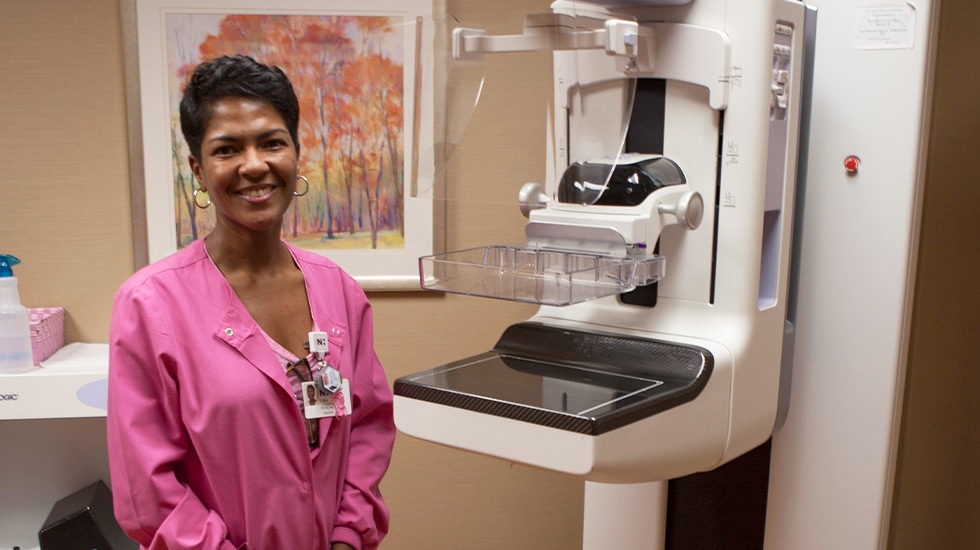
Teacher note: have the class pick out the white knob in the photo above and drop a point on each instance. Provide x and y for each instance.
(688, 210)
(532, 197)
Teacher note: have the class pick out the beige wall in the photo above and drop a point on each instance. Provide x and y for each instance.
(64, 208)
(65, 211)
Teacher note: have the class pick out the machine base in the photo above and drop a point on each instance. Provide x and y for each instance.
(608, 408)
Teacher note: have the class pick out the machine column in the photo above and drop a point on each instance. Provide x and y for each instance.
(629, 515)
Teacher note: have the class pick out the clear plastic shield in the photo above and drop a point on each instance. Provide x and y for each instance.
(447, 92)
(565, 88)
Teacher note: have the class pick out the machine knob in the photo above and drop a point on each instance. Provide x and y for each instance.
(689, 209)
(532, 197)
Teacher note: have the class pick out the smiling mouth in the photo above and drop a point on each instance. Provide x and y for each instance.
(257, 192)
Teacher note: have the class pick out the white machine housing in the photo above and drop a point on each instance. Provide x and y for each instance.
(734, 73)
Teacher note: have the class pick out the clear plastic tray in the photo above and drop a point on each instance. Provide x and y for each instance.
(537, 276)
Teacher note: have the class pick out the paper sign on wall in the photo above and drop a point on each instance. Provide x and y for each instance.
(885, 27)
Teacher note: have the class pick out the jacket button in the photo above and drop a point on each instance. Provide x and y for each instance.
(229, 332)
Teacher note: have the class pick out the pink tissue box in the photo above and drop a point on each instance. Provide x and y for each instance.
(47, 331)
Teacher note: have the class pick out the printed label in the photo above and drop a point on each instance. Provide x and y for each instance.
(885, 27)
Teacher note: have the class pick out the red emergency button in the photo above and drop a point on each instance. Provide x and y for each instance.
(851, 164)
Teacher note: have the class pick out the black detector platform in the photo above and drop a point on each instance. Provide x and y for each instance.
(583, 382)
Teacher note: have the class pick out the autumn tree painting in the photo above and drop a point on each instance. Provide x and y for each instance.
(348, 72)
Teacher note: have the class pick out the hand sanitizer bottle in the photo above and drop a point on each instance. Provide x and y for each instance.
(16, 354)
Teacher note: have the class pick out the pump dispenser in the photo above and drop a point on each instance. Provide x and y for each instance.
(16, 354)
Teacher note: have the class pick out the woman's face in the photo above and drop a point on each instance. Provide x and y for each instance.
(248, 165)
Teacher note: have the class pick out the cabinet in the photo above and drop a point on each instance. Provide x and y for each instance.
(52, 436)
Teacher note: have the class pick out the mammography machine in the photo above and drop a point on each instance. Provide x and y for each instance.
(659, 250)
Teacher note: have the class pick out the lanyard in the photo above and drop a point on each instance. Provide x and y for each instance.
(312, 424)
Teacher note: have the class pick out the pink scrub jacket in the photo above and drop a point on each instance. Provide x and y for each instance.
(207, 445)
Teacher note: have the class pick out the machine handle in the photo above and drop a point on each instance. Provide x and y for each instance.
(532, 197)
(688, 210)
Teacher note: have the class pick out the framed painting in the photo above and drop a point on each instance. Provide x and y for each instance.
(358, 71)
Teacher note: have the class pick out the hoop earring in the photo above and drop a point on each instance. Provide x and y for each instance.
(305, 191)
(198, 204)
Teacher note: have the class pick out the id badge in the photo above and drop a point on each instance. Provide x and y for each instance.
(318, 404)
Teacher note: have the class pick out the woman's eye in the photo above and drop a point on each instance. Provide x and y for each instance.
(224, 151)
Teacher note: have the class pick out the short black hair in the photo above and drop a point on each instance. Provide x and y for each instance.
(235, 76)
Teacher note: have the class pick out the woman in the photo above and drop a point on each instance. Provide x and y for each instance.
(211, 444)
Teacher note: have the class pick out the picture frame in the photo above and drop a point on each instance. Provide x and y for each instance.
(369, 234)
